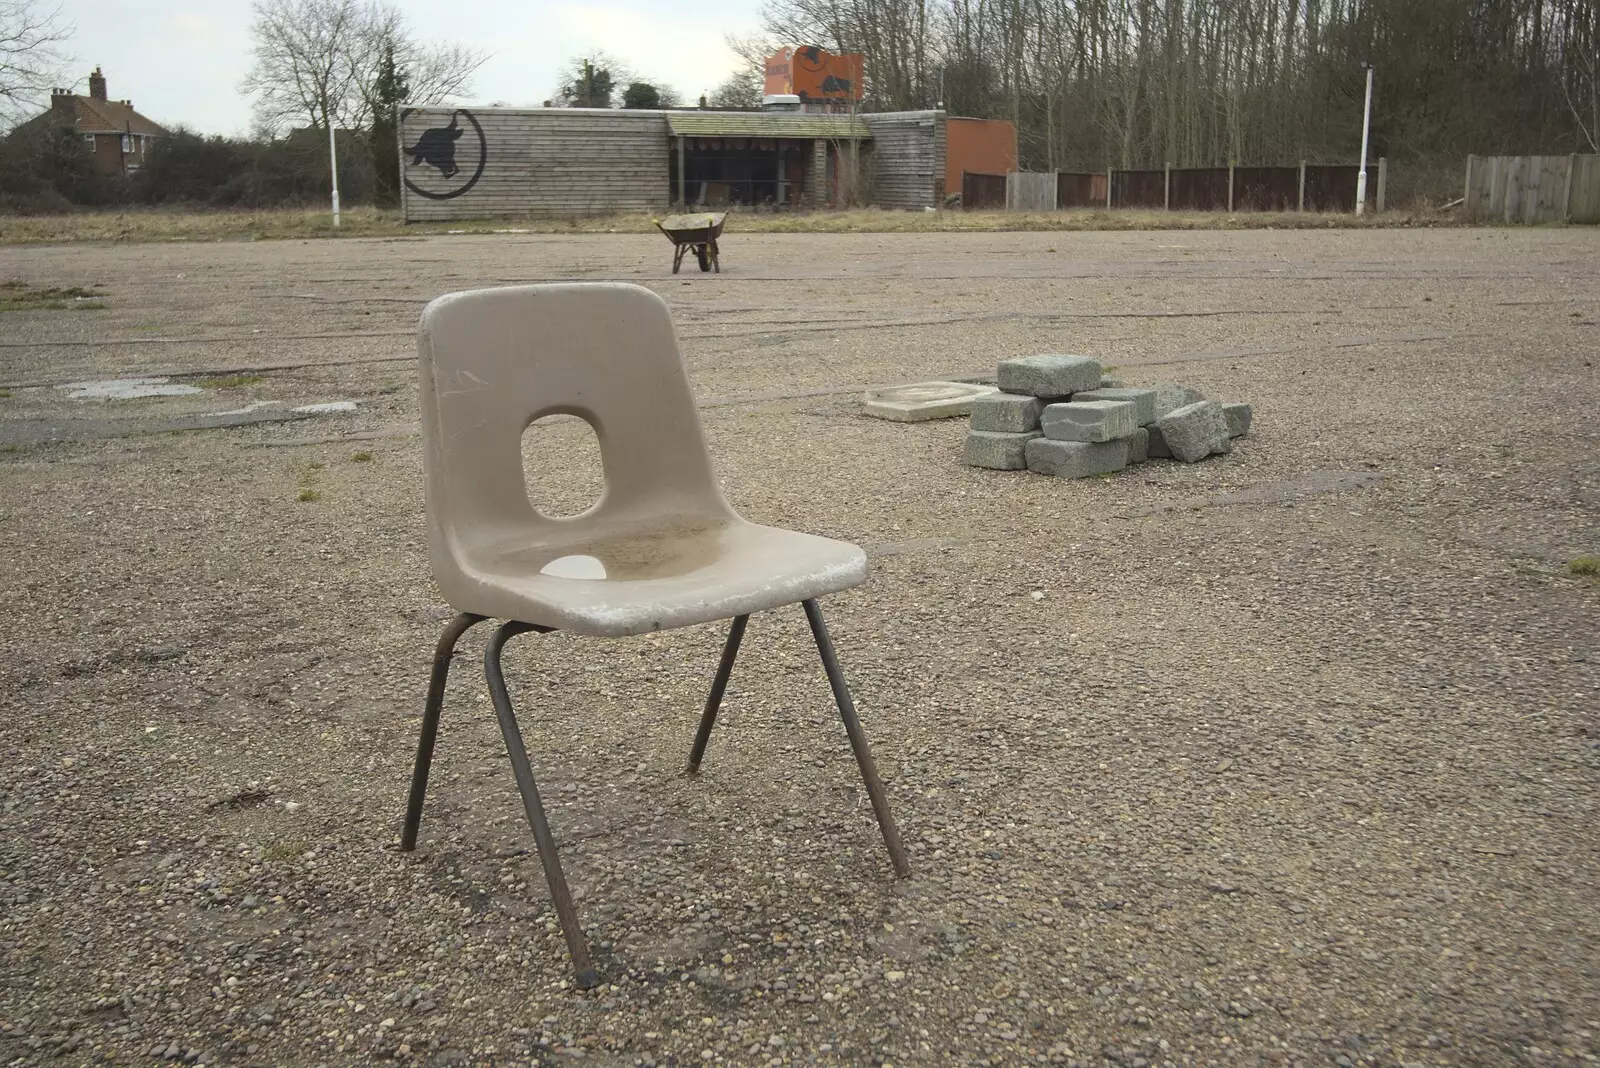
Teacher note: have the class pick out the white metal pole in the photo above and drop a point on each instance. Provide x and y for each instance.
(333, 163)
(1366, 125)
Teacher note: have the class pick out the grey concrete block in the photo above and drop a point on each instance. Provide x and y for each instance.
(1195, 431)
(1076, 459)
(1170, 397)
(1139, 446)
(998, 452)
(1006, 413)
(1239, 417)
(1143, 400)
(1049, 375)
(1098, 420)
(1158, 445)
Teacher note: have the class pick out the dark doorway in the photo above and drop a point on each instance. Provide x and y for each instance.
(748, 171)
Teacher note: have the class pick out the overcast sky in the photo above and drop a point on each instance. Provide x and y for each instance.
(181, 61)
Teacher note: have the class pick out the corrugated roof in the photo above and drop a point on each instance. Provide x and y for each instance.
(765, 124)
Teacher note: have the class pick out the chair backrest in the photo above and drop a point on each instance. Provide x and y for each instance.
(495, 360)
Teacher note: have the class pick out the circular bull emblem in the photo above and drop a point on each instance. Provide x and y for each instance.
(446, 161)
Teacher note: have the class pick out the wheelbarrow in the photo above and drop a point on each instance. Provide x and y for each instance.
(697, 232)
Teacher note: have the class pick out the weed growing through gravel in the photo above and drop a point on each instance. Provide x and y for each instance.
(231, 382)
(1587, 566)
(285, 850)
(362, 457)
(5, 394)
(308, 482)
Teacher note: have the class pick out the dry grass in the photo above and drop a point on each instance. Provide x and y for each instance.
(158, 225)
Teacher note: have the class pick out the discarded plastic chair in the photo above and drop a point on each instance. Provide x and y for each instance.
(660, 549)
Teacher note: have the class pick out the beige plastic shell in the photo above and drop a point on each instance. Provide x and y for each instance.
(661, 548)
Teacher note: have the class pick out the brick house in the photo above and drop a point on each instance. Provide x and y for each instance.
(118, 136)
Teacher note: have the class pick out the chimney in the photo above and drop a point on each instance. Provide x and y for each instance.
(97, 84)
(61, 103)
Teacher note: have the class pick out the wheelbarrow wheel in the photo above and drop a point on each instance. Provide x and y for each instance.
(703, 254)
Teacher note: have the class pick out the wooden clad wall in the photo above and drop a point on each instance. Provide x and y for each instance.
(908, 149)
(538, 161)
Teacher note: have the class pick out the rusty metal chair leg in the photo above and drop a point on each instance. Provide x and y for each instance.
(430, 724)
(858, 740)
(719, 685)
(548, 857)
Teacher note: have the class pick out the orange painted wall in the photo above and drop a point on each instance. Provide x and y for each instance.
(984, 146)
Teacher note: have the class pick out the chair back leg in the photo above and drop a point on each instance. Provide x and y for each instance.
(548, 857)
(858, 739)
(430, 724)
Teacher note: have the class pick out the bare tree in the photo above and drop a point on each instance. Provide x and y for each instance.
(319, 62)
(738, 90)
(743, 88)
(590, 81)
(31, 61)
(1139, 83)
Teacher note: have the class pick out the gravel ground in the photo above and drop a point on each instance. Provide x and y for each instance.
(1288, 757)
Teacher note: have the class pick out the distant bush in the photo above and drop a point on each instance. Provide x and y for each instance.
(222, 172)
(46, 169)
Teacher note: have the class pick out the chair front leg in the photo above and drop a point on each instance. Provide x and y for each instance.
(858, 739)
(430, 724)
(548, 857)
(719, 685)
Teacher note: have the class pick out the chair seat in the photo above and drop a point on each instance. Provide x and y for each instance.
(656, 579)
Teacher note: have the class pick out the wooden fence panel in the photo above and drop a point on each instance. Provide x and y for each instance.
(1200, 189)
(1138, 189)
(982, 191)
(1081, 189)
(1266, 188)
(1533, 189)
(1332, 187)
(1583, 204)
(1550, 205)
(1031, 190)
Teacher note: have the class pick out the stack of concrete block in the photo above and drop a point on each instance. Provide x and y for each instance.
(1058, 415)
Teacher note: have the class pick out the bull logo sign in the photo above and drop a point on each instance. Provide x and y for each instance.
(443, 162)
(815, 75)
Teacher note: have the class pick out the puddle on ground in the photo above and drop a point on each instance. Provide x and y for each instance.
(324, 408)
(248, 408)
(127, 389)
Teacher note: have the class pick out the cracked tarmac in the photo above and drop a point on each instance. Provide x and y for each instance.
(1287, 757)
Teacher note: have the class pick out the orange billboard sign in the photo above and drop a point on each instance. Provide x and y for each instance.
(815, 75)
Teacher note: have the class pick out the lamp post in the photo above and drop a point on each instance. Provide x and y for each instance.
(1366, 126)
(333, 162)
